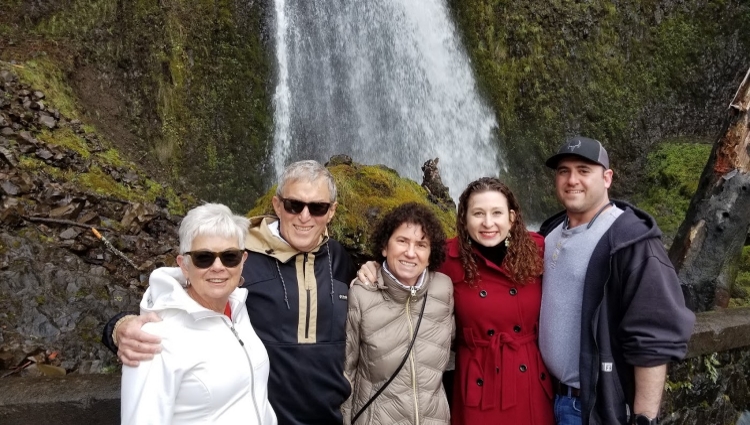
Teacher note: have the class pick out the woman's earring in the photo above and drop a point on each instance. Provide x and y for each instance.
(242, 281)
(187, 283)
(507, 241)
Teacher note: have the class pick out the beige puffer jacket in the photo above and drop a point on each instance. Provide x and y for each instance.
(379, 329)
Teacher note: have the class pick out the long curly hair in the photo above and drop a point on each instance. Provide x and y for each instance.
(523, 260)
(413, 213)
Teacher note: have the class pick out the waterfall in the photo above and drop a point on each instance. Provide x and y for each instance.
(383, 81)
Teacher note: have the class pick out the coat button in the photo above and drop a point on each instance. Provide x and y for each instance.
(480, 382)
(522, 368)
(543, 376)
(513, 291)
(491, 332)
(516, 329)
(482, 293)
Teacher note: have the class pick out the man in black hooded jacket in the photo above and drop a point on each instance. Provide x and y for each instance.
(613, 314)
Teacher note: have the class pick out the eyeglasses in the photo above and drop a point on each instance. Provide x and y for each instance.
(293, 206)
(204, 259)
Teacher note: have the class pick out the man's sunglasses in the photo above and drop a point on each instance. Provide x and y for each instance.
(293, 206)
(204, 259)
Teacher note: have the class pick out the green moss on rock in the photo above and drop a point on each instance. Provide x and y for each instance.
(628, 73)
(196, 78)
(671, 179)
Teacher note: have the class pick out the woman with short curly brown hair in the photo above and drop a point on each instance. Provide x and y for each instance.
(405, 319)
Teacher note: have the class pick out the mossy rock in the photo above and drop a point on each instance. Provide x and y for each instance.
(365, 194)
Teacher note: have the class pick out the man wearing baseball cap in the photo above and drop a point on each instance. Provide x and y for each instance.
(613, 314)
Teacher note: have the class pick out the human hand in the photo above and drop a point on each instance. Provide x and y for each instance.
(134, 344)
(368, 273)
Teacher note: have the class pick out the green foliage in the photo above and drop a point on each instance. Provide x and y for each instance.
(365, 193)
(65, 137)
(194, 73)
(742, 283)
(711, 363)
(672, 174)
(43, 74)
(612, 71)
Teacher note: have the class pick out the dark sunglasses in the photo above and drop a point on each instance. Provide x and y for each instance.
(204, 259)
(293, 206)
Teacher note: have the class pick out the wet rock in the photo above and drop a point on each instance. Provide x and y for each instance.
(70, 233)
(48, 122)
(6, 76)
(9, 188)
(7, 156)
(69, 211)
(90, 217)
(438, 193)
(339, 160)
(38, 95)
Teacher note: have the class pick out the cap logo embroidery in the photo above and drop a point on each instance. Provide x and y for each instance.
(572, 147)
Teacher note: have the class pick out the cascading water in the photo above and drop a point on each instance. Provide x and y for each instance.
(384, 81)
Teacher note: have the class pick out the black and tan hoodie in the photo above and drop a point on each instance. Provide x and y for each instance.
(297, 302)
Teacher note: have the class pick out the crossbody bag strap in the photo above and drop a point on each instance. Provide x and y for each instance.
(398, 369)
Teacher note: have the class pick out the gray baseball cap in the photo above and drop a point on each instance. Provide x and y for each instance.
(582, 147)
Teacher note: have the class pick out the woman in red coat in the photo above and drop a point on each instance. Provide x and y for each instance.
(496, 266)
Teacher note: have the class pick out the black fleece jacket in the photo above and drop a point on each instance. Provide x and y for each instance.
(633, 314)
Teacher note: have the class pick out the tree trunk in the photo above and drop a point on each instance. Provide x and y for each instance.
(708, 245)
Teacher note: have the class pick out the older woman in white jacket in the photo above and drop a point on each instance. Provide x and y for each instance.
(212, 367)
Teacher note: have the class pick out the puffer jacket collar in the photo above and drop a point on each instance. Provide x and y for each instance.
(396, 291)
(167, 291)
(260, 239)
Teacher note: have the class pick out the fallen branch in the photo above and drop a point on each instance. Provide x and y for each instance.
(61, 221)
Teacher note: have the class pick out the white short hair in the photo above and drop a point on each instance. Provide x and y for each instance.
(308, 171)
(212, 220)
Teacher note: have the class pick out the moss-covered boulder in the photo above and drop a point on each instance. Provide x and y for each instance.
(366, 193)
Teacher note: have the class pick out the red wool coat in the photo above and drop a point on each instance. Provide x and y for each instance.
(500, 377)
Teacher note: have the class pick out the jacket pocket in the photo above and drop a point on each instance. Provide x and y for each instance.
(473, 382)
(544, 377)
(613, 406)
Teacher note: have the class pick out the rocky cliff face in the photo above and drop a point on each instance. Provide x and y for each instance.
(183, 88)
(630, 73)
(58, 282)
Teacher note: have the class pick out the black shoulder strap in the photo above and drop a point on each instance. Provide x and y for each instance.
(398, 369)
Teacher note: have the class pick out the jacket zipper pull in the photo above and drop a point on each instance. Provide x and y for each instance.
(236, 335)
(413, 292)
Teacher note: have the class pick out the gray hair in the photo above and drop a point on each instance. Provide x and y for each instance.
(308, 171)
(212, 220)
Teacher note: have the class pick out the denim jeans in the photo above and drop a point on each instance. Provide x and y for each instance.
(567, 410)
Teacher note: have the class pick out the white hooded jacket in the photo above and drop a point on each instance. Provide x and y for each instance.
(210, 370)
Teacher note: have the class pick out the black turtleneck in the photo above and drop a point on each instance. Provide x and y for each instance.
(495, 254)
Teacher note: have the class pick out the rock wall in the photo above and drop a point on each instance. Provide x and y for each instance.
(58, 282)
(182, 87)
(629, 73)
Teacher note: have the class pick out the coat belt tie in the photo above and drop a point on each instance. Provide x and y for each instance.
(502, 349)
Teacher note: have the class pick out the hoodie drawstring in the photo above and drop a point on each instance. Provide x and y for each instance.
(330, 270)
(286, 299)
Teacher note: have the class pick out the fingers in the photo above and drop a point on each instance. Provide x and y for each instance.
(131, 330)
(362, 276)
(132, 358)
(368, 273)
(150, 317)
